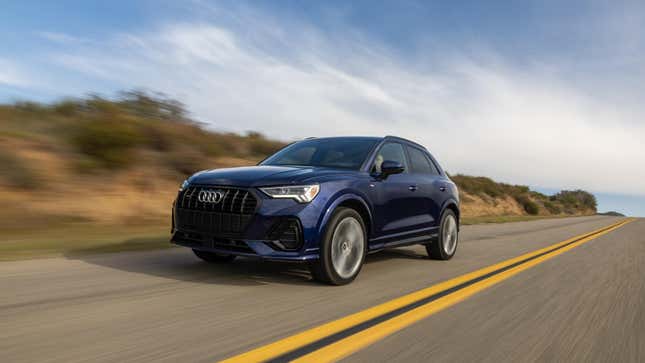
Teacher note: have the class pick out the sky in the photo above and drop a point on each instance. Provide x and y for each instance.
(542, 93)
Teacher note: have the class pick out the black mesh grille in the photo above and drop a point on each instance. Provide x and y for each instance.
(227, 218)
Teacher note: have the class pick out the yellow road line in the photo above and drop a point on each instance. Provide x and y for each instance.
(353, 343)
(359, 340)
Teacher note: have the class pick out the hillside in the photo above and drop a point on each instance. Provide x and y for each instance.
(483, 197)
(108, 162)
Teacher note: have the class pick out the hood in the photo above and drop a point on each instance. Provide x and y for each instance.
(264, 175)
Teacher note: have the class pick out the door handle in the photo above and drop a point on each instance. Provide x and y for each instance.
(442, 188)
(412, 188)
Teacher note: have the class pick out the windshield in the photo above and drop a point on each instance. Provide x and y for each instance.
(349, 153)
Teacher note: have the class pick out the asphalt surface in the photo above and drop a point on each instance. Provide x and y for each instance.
(587, 304)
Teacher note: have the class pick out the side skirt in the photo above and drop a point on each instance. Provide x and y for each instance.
(422, 240)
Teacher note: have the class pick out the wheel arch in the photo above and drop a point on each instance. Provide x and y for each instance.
(353, 201)
(454, 207)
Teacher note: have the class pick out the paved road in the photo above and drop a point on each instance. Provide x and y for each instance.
(587, 304)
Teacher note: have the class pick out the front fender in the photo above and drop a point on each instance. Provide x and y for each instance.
(338, 200)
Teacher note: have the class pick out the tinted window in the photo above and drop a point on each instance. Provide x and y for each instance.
(344, 153)
(390, 151)
(419, 162)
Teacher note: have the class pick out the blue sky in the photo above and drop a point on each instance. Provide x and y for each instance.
(543, 93)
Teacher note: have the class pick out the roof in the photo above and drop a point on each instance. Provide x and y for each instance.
(375, 138)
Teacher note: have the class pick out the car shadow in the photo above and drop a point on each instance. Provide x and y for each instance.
(396, 253)
(181, 264)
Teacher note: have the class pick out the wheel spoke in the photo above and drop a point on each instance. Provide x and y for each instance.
(449, 235)
(348, 244)
(342, 262)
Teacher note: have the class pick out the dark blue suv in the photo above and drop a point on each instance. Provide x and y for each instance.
(325, 201)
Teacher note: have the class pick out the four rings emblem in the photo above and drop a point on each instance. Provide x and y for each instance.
(210, 196)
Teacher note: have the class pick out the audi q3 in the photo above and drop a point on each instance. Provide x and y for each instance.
(326, 202)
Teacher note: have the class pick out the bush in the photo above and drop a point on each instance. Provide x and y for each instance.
(552, 207)
(529, 206)
(261, 146)
(111, 143)
(16, 172)
(186, 161)
(577, 200)
(478, 185)
(152, 106)
(66, 107)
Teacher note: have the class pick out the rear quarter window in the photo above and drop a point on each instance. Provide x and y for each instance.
(420, 163)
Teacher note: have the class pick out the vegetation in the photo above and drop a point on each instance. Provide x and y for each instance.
(96, 133)
(612, 214)
(575, 200)
(504, 219)
(533, 203)
(92, 164)
(16, 173)
(82, 239)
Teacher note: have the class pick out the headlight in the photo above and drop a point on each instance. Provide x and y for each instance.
(301, 193)
(184, 185)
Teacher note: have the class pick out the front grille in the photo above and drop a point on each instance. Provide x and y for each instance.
(227, 218)
(234, 201)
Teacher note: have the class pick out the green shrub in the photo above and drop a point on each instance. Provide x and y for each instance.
(552, 207)
(576, 200)
(529, 206)
(186, 161)
(152, 106)
(109, 142)
(16, 172)
(478, 185)
(66, 107)
(261, 146)
(157, 137)
(30, 107)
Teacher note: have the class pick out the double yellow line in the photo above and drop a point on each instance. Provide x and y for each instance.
(340, 338)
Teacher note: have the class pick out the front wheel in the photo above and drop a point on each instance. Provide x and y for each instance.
(213, 257)
(446, 243)
(342, 250)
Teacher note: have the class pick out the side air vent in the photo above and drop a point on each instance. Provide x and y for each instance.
(286, 235)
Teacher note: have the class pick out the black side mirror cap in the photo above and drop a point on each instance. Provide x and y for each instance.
(390, 167)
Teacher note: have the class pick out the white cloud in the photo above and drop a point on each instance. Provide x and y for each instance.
(479, 114)
(10, 75)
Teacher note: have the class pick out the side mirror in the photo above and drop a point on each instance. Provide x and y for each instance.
(390, 167)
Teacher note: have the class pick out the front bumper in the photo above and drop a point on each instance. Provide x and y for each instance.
(277, 229)
(249, 248)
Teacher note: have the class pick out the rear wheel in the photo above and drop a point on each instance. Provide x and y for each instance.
(213, 257)
(342, 250)
(444, 247)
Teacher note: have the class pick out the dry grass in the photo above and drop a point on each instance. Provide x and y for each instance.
(75, 239)
(505, 219)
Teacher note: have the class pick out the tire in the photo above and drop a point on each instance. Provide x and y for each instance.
(342, 249)
(213, 257)
(445, 245)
